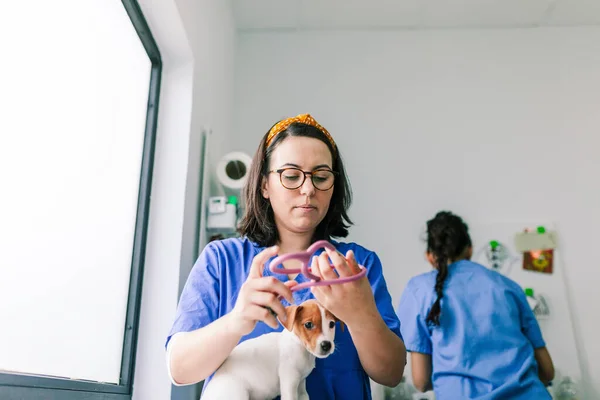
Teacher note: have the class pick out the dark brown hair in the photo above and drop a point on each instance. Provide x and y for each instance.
(447, 239)
(258, 222)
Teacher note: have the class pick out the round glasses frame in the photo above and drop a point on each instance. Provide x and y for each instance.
(305, 173)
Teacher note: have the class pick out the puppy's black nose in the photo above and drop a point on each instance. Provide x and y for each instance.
(326, 346)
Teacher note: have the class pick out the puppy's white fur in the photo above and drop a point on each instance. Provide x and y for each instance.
(276, 363)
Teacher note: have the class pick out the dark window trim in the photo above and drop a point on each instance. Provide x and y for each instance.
(22, 386)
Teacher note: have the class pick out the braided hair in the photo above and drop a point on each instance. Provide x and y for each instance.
(447, 240)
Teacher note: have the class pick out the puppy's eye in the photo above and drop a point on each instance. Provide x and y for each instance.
(309, 325)
(331, 324)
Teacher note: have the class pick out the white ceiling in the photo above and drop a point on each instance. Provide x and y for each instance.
(412, 14)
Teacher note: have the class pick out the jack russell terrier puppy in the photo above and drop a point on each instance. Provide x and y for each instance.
(276, 363)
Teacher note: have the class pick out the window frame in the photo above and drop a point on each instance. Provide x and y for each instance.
(22, 386)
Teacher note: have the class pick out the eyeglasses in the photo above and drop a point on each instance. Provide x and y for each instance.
(293, 178)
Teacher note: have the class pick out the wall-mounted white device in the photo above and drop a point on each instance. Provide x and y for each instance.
(222, 214)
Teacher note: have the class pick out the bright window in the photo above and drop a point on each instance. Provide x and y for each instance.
(75, 81)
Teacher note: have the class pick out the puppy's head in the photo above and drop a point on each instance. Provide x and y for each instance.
(314, 326)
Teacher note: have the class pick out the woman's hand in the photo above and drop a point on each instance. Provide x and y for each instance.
(258, 298)
(347, 301)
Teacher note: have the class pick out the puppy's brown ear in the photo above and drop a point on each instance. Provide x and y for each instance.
(291, 312)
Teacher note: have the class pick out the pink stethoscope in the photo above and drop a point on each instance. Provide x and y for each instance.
(304, 256)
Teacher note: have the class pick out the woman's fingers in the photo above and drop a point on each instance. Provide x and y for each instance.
(258, 263)
(260, 313)
(269, 300)
(325, 268)
(315, 269)
(352, 262)
(340, 263)
(274, 285)
(290, 284)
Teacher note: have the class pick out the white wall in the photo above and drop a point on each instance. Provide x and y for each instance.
(423, 117)
(196, 38)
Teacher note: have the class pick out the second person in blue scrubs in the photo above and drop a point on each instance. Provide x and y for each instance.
(470, 330)
(297, 192)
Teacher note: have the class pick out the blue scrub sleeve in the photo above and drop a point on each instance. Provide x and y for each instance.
(414, 328)
(529, 324)
(199, 302)
(383, 300)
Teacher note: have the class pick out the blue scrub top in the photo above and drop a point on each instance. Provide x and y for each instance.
(484, 346)
(212, 289)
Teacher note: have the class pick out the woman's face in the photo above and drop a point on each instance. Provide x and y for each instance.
(298, 210)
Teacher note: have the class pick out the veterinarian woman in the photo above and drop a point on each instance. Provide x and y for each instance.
(470, 330)
(297, 192)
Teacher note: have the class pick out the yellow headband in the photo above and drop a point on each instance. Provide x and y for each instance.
(303, 119)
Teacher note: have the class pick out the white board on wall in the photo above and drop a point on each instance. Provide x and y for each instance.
(557, 328)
